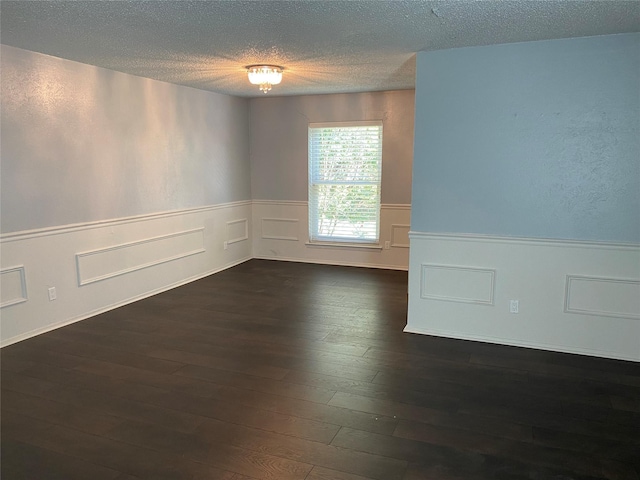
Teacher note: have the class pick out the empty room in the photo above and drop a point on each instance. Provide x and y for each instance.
(320, 240)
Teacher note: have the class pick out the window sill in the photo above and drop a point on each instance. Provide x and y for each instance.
(366, 246)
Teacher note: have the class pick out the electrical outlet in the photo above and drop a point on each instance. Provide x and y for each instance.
(387, 245)
(52, 294)
(514, 306)
(225, 245)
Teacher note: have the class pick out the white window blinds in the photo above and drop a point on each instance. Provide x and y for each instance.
(345, 169)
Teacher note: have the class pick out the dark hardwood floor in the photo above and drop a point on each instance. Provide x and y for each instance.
(275, 370)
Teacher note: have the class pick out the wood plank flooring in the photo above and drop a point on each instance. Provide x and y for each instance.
(276, 370)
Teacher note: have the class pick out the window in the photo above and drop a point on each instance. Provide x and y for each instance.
(345, 168)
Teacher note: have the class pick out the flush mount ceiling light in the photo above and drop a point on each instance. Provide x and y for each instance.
(264, 75)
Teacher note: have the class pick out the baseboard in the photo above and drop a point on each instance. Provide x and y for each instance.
(281, 232)
(518, 343)
(330, 262)
(48, 328)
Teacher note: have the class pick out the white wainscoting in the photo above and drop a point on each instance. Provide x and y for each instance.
(400, 235)
(281, 232)
(576, 297)
(280, 229)
(609, 297)
(110, 262)
(237, 231)
(457, 284)
(13, 286)
(99, 266)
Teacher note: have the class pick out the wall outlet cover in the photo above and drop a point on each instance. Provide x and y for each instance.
(514, 306)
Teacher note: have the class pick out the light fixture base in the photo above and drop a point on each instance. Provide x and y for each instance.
(264, 75)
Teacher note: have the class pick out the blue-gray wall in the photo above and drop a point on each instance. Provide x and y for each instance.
(537, 139)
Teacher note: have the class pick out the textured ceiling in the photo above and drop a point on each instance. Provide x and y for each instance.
(325, 46)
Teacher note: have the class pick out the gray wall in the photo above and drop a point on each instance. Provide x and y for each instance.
(537, 139)
(279, 140)
(81, 143)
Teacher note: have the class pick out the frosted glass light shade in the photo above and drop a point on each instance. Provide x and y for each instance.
(265, 76)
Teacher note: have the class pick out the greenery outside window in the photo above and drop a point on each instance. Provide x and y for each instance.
(345, 170)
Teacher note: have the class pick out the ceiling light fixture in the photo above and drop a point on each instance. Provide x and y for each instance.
(264, 75)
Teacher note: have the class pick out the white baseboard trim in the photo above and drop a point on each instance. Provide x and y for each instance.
(517, 343)
(329, 262)
(281, 230)
(222, 233)
(48, 328)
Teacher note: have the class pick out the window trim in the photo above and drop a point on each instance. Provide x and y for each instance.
(363, 245)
